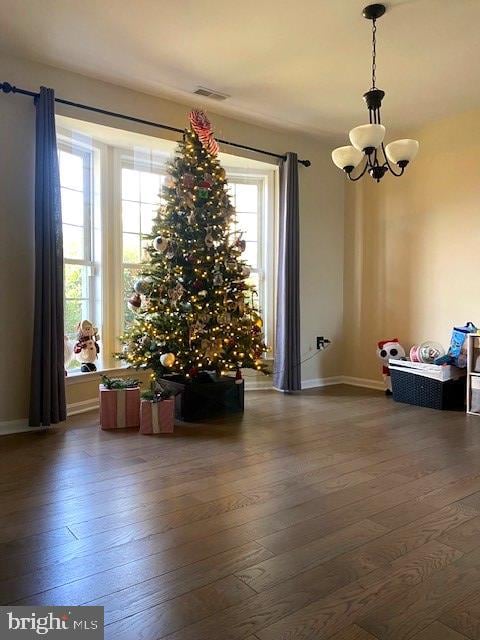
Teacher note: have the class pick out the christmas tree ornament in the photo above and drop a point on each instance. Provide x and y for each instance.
(203, 293)
(202, 127)
(223, 318)
(217, 279)
(167, 360)
(142, 286)
(191, 217)
(170, 252)
(245, 271)
(209, 240)
(188, 200)
(207, 181)
(170, 181)
(134, 302)
(202, 193)
(188, 180)
(160, 244)
(259, 322)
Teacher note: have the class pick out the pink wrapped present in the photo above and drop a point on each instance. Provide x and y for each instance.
(119, 408)
(157, 417)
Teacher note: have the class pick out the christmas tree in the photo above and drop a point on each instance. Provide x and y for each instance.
(195, 310)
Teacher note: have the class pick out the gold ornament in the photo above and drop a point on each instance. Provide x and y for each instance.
(259, 322)
(167, 359)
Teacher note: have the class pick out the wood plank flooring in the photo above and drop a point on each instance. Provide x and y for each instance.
(332, 513)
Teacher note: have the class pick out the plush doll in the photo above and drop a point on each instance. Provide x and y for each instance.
(389, 350)
(86, 346)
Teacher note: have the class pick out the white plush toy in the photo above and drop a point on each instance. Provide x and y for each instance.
(86, 346)
(389, 350)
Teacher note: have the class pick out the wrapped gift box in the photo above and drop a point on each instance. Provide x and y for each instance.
(119, 408)
(157, 416)
(199, 400)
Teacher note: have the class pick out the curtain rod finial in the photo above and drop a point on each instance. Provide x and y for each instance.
(306, 163)
(6, 87)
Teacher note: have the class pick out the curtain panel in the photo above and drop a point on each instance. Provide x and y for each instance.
(47, 389)
(287, 375)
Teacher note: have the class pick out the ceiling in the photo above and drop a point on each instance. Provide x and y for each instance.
(302, 65)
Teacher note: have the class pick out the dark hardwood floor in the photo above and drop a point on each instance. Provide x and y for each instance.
(333, 513)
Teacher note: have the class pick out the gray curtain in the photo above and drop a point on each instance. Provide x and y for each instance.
(287, 338)
(47, 389)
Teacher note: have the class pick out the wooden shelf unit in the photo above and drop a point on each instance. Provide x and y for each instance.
(473, 377)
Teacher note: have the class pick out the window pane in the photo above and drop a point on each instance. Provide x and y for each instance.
(250, 296)
(248, 223)
(149, 186)
(148, 213)
(253, 280)
(73, 242)
(72, 206)
(246, 197)
(131, 247)
(250, 254)
(146, 243)
(129, 276)
(76, 281)
(71, 170)
(73, 315)
(131, 216)
(130, 184)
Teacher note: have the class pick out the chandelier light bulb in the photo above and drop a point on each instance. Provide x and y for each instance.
(347, 158)
(401, 152)
(367, 139)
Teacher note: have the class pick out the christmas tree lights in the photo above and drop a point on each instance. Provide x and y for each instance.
(195, 310)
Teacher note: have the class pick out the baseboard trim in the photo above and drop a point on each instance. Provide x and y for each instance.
(378, 385)
(9, 427)
(321, 382)
(75, 408)
(17, 426)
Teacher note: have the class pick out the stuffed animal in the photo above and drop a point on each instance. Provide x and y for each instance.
(389, 350)
(86, 346)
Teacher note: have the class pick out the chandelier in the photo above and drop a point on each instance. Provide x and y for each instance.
(367, 139)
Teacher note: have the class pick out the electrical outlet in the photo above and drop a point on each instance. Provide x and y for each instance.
(322, 342)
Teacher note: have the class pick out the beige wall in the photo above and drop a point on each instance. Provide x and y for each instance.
(412, 247)
(321, 216)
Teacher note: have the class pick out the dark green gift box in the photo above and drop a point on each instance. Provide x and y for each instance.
(196, 400)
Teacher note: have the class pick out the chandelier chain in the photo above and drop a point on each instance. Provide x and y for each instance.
(374, 53)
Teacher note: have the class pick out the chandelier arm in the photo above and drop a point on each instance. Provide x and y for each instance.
(389, 166)
(360, 175)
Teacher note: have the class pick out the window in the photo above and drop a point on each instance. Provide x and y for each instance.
(110, 193)
(141, 187)
(75, 166)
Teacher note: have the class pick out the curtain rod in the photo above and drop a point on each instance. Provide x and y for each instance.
(6, 87)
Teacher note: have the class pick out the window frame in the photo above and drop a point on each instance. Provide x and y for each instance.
(77, 149)
(124, 158)
(105, 280)
(267, 233)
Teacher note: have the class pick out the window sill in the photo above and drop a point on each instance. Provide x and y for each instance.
(77, 377)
